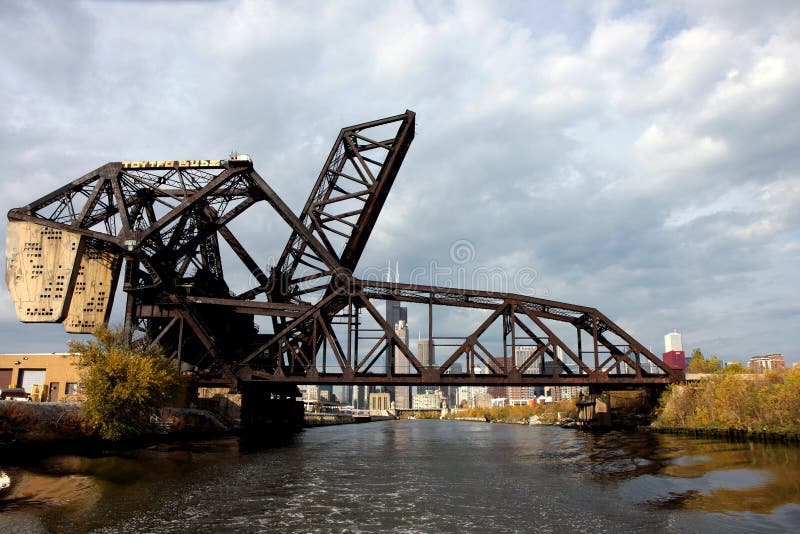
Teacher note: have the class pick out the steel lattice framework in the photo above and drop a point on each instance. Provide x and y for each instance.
(166, 219)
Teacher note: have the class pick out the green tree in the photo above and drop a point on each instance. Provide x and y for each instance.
(123, 383)
(697, 364)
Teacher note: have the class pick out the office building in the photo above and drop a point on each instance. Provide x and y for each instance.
(673, 341)
(768, 362)
(674, 356)
(310, 392)
(379, 402)
(521, 355)
(360, 397)
(430, 400)
(426, 356)
(568, 392)
(451, 392)
(402, 394)
(326, 393)
(426, 352)
(396, 316)
(502, 392)
(344, 394)
(395, 312)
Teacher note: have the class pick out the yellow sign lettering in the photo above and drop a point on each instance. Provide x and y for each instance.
(166, 164)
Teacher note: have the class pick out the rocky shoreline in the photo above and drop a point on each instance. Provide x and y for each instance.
(35, 428)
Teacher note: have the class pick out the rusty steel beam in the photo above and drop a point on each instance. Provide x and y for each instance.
(166, 218)
(570, 367)
(334, 187)
(434, 379)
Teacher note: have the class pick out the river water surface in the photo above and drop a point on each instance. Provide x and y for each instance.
(415, 476)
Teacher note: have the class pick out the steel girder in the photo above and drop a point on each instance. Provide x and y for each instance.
(544, 357)
(167, 219)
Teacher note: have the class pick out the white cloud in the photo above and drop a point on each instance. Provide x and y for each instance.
(667, 148)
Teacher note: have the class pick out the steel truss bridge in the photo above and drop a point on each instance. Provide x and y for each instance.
(166, 220)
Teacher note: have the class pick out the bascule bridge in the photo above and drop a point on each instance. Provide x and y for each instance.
(307, 319)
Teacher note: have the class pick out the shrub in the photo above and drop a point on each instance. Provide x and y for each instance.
(768, 402)
(123, 383)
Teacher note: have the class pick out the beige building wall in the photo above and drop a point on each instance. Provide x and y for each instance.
(378, 402)
(59, 372)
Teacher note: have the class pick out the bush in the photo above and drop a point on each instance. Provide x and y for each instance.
(123, 383)
(764, 402)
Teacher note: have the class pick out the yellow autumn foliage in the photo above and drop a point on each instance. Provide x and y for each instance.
(123, 383)
(767, 402)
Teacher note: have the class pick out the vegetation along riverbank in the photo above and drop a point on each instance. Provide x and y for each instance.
(547, 414)
(738, 405)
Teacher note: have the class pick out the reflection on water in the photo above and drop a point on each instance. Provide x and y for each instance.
(415, 476)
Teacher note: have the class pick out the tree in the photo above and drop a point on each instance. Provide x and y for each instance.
(734, 368)
(123, 383)
(712, 365)
(698, 363)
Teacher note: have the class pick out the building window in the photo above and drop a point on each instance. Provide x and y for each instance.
(71, 389)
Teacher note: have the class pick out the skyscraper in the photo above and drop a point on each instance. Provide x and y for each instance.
(344, 394)
(401, 363)
(425, 352)
(402, 397)
(674, 356)
(395, 312)
(451, 392)
(673, 342)
(397, 317)
(426, 356)
(521, 355)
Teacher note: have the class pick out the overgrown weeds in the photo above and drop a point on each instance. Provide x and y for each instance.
(767, 402)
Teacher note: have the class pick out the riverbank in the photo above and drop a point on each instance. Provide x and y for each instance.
(34, 427)
(312, 419)
(729, 434)
(547, 414)
(734, 406)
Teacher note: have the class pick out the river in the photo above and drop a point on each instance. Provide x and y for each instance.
(414, 476)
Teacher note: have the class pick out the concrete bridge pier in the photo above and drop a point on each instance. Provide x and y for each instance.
(605, 407)
(269, 408)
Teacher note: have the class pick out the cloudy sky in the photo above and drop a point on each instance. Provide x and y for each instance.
(639, 158)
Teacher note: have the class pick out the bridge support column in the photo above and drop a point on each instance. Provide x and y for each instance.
(597, 390)
(268, 407)
(652, 394)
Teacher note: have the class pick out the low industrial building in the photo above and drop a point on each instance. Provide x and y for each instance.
(46, 377)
